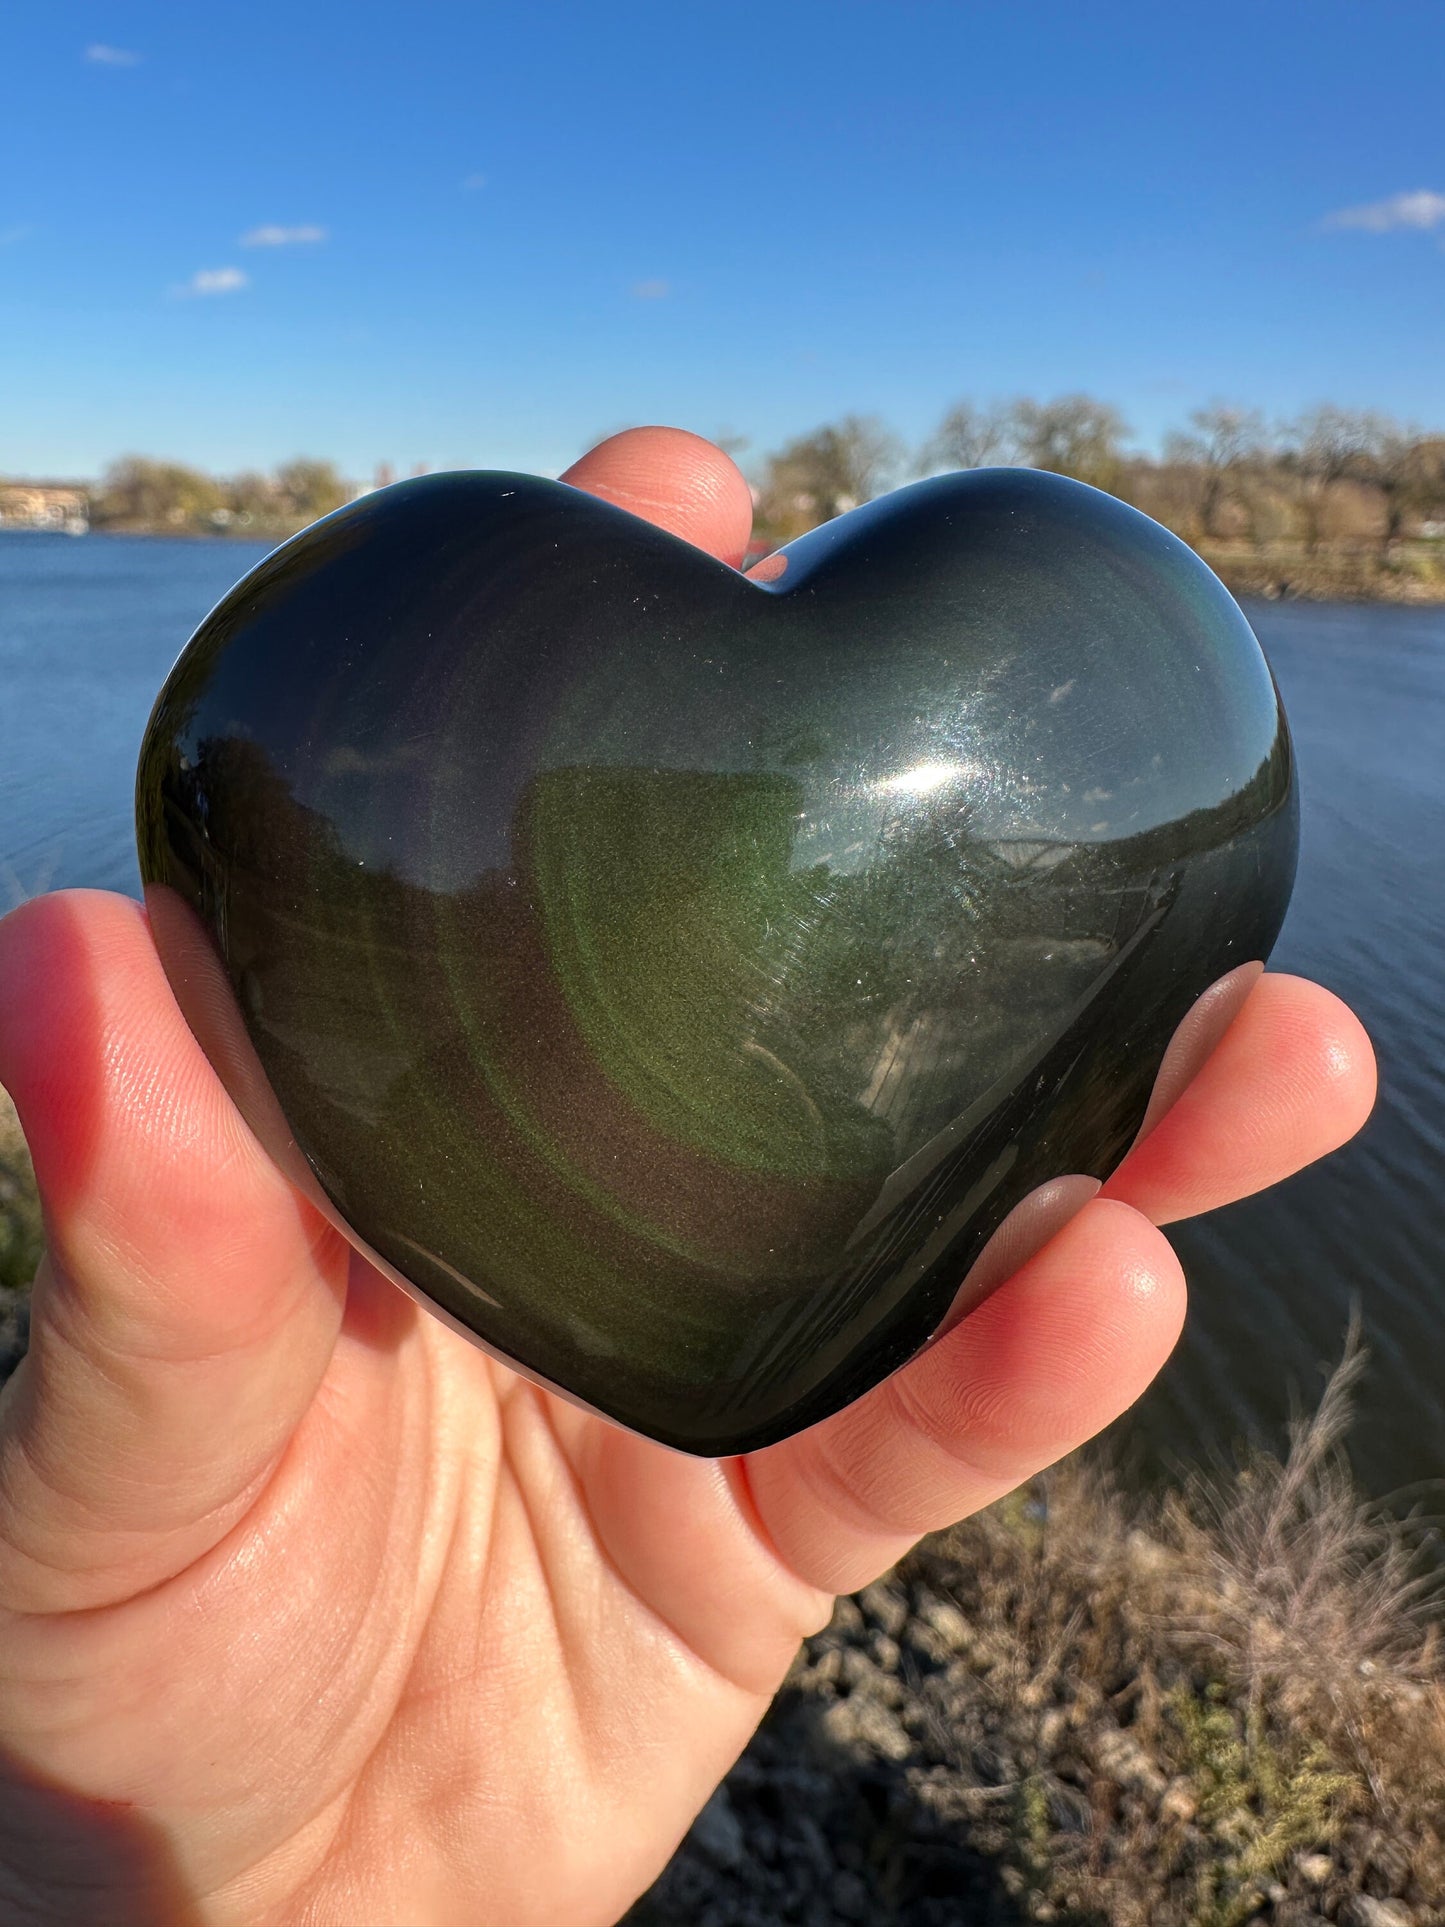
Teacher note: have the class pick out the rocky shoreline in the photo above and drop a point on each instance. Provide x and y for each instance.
(1223, 1708)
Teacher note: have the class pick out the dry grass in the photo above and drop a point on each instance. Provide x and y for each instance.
(1251, 1669)
(1219, 1706)
(1312, 1601)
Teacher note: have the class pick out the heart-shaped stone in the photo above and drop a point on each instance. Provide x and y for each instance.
(674, 980)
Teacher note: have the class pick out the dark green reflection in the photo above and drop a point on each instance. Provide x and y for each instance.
(677, 980)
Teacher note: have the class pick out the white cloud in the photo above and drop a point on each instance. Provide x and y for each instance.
(103, 56)
(216, 281)
(282, 237)
(1420, 209)
(474, 183)
(651, 290)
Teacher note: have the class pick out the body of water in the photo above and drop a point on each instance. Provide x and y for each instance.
(88, 629)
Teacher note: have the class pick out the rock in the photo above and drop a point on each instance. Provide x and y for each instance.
(884, 1651)
(924, 1643)
(889, 1689)
(826, 1668)
(885, 1607)
(850, 1897)
(717, 1832)
(1363, 1910)
(748, 1773)
(1070, 1811)
(994, 1765)
(948, 1622)
(1179, 1803)
(862, 1722)
(847, 1621)
(813, 1845)
(1146, 1554)
(856, 1670)
(1389, 1869)
(1119, 1755)
(1052, 1728)
(1316, 1868)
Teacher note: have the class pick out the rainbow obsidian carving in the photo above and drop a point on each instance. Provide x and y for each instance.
(675, 980)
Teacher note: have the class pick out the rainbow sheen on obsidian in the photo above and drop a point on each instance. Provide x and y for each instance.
(677, 980)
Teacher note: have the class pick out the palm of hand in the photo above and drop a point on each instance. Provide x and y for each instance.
(311, 1613)
(409, 1647)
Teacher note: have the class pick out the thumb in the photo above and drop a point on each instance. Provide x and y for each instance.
(190, 1299)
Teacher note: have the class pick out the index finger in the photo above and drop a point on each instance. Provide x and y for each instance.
(676, 480)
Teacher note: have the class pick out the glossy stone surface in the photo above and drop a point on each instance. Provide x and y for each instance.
(676, 980)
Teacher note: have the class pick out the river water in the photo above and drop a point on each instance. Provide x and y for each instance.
(89, 627)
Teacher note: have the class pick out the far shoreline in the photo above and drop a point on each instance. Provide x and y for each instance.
(1409, 576)
(1401, 578)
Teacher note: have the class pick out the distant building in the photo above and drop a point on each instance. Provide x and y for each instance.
(62, 507)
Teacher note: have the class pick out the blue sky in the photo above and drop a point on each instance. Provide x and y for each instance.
(523, 226)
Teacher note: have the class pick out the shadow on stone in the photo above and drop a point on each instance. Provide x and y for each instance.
(841, 1809)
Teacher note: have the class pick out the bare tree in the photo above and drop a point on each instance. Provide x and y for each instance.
(1323, 447)
(968, 437)
(1408, 469)
(1073, 435)
(1225, 444)
(310, 488)
(827, 473)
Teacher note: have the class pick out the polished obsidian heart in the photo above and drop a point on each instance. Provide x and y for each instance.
(676, 980)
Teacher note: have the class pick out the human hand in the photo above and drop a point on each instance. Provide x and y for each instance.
(310, 1613)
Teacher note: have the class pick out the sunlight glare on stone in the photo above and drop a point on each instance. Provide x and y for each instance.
(924, 778)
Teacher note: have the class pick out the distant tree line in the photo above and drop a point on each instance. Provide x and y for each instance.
(139, 493)
(1344, 500)
(1333, 479)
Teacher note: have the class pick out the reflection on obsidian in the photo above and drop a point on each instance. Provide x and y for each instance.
(639, 1019)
